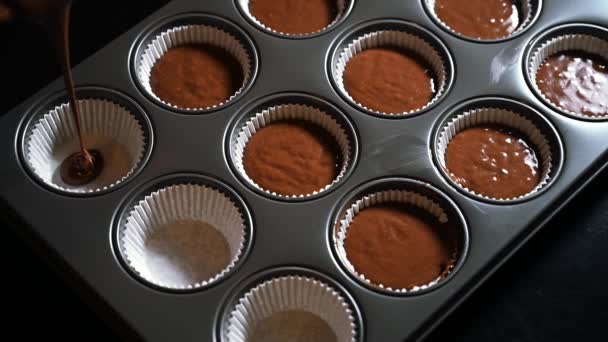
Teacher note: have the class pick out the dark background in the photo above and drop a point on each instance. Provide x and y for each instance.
(554, 289)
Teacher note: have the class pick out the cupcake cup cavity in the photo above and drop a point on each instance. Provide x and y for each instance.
(166, 214)
(191, 34)
(406, 41)
(562, 43)
(106, 126)
(342, 7)
(291, 112)
(407, 197)
(290, 293)
(529, 9)
(504, 117)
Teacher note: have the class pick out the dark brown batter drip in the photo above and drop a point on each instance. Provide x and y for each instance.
(75, 171)
(196, 76)
(294, 16)
(400, 246)
(389, 80)
(493, 160)
(292, 158)
(83, 166)
(481, 19)
(575, 81)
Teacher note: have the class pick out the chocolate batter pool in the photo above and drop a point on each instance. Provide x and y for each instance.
(494, 161)
(400, 246)
(292, 158)
(76, 171)
(294, 16)
(480, 19)
(389, 80)
(196, 76)
(575, 81)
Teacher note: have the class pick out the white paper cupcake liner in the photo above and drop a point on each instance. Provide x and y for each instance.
(341, 6)
(286, 294)
(401, 40)
(191, 34)
(569, 42)
(290, 112)
(382, 197)
(106, 127)
(525, 6)
(503, 117)
(165, 209)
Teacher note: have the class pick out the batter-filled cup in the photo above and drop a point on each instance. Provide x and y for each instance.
(194, 67)
(399, 241)
(570, 72)
(294, 17)
(292, 151)
(391, 72)
(484, 19)
(183, 236)
(496, 154)
(107, 128)
(291, 308)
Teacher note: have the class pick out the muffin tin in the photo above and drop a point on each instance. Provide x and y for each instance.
(294, 237)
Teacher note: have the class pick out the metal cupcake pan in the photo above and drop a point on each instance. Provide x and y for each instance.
(295, 237)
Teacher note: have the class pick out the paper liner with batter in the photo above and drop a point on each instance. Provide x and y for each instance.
(525, 6)
(341, 6)
(106, 126)
(382, 197)
(397, 39)
(503, 117)
(191, 34)
(569, 42)
(290, 112)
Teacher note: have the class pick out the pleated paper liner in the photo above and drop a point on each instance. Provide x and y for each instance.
(401, 196)
(406, 41)
(286, 113)
(106, 126)
(504, 117)
(528, 8)
(342, 7)
(567, 42)
(186, 35)
(252, 317)
(183, 236)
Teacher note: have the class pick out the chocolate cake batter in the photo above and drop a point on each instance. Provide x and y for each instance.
(400, 246)
(480, 19)
(75, 170)
(84, 166)
(294, 16)
(196, 76)
(293, 326)
(575, 81)
(389, 80)
(492, 160)
(292, 158)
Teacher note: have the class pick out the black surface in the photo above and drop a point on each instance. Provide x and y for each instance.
(553, 290)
